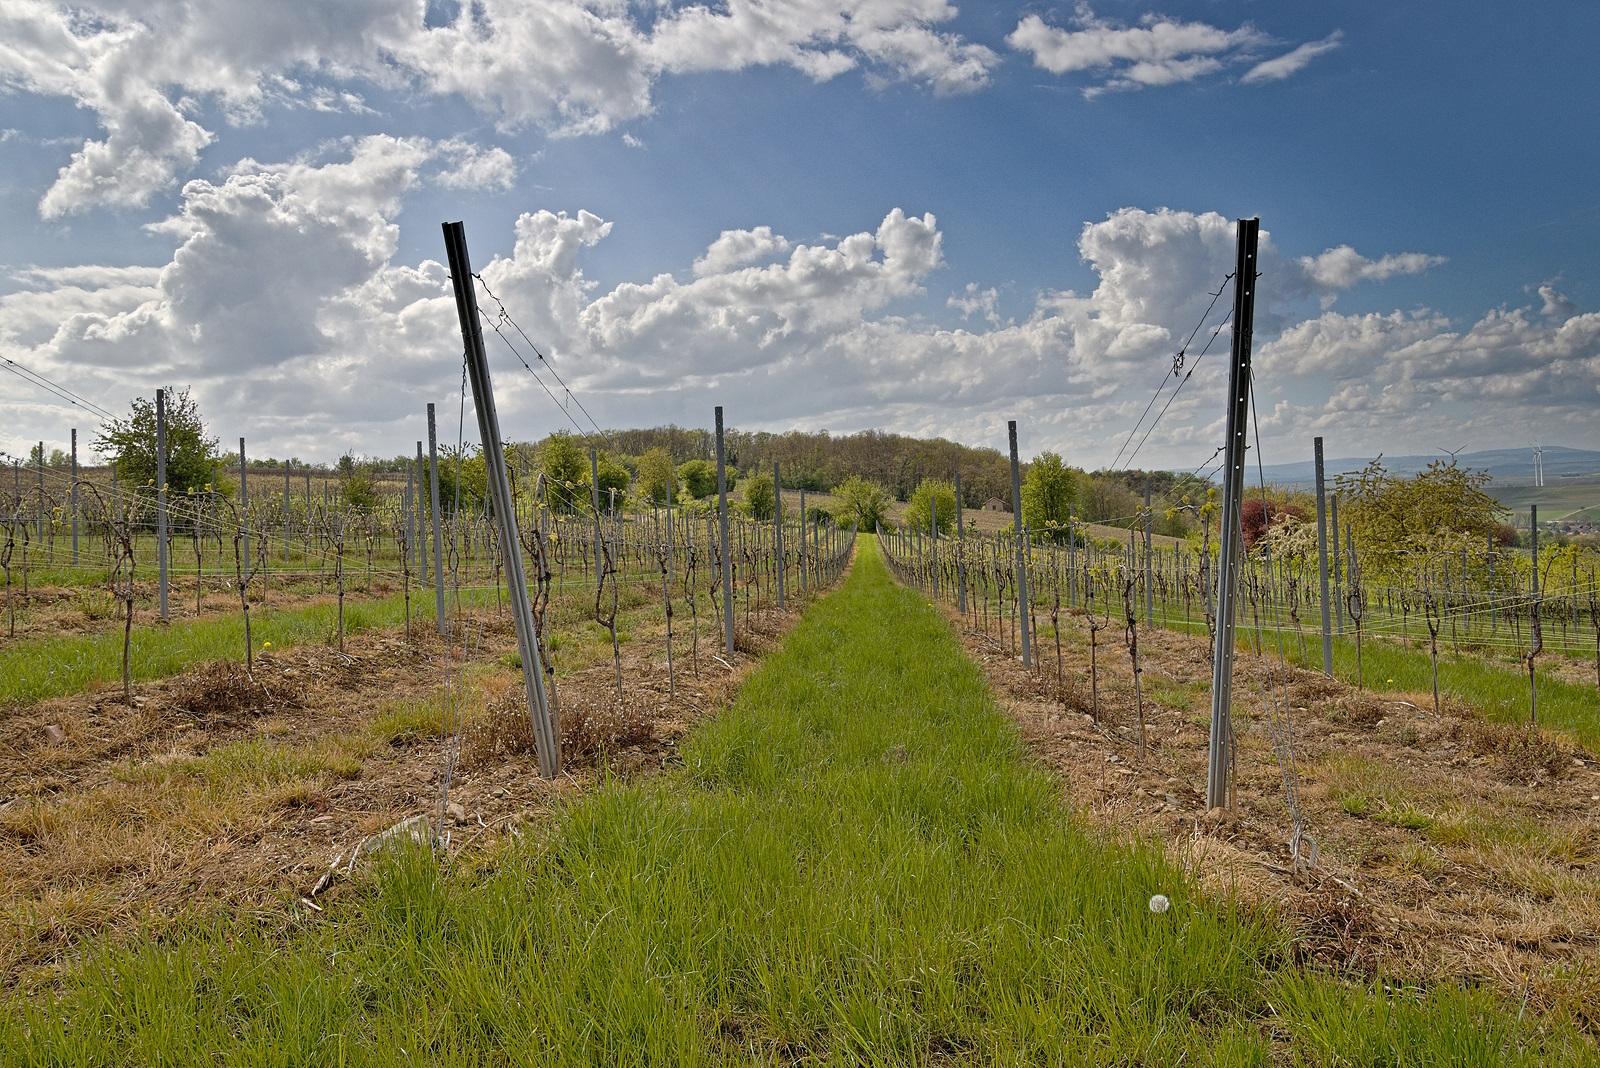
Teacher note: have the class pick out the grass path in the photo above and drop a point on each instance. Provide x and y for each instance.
(855, 865)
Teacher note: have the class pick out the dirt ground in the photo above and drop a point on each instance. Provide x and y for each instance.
(51, 610)
(1446, 847)
(218, 792)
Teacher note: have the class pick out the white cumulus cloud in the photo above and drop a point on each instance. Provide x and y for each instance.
(734, 248)
(284, 306)
(570, 66)
(1157, 50)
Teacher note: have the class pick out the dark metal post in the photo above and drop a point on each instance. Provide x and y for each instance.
(1022, 546)
(438, 550)
(801, 555)
(1230, 542)
(422, 518)
(961, 572)
(287, 465)
(546, 741)
(777, 528)
(1338, 602)
(594, 496)
(161, 498)
(74, 496)
(1322, 561)
(933, 536)
(727, 561)
(1537, 641)
(1494, 619)
(244, 509)
(1149, 584)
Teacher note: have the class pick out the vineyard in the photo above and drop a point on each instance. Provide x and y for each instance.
(1493, 608)
(611, 772)
(323, 671)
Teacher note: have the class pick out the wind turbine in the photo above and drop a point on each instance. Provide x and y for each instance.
(1538, 464)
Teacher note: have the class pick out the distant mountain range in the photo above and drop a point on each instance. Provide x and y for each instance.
(1502, 465)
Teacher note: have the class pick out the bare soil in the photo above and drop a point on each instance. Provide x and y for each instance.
(1445, 847)
(215, 791)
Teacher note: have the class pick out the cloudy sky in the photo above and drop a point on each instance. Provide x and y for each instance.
(841, 214)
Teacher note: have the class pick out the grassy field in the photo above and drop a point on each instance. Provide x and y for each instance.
(855, 864)
(1558, 498)
(48, 667)
(1496, 687)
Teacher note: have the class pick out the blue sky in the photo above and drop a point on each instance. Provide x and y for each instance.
(901, 214)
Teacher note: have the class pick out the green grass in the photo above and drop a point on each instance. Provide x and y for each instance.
(1501, 693)
(253, 762)
(49, 667)
(855, 865)
(1498, 689)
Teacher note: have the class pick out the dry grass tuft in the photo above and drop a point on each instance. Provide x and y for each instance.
(594, 726)
(501, 731)
(1359, 709)
(222, 692)
(1525, 756)
(1310, 687)
(1339, 929)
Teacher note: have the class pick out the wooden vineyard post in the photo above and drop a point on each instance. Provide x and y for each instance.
(727, 559)
(1322, 560)
(1022, 545)
(1244, 294)
(546, 742)
(438, 549)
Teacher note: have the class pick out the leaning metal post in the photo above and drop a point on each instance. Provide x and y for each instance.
(546, 743)
(1231, 543)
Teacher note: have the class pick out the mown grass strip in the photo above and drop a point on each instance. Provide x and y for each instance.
(855, 865)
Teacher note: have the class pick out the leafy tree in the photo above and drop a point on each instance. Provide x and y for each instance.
(55, 458)
(658, 478)
(565, 468)
(760, 497)
(1048, 494)
(863, 503)
(700, 478)
(1400, 519)
(131, 443)
(473, 487)
(929, 491)
(1105, 498)
(613, 476)
(356, 483)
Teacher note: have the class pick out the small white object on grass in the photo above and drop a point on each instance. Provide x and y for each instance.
(1159, 904)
